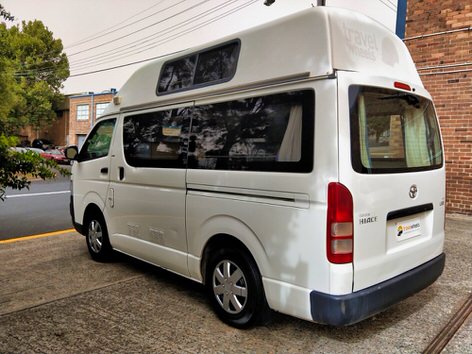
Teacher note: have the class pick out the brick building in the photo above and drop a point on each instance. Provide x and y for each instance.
(84, 111)
(439, 36)
(56, 132)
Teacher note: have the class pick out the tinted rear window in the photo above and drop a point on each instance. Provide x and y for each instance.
(393, 131)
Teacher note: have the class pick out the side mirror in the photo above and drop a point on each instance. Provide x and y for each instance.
(72, 152)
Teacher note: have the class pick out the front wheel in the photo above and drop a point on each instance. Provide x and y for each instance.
(98, 242)
(235, 288)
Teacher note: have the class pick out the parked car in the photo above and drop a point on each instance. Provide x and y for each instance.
(43, 144)
(36, 150)
(55, 155)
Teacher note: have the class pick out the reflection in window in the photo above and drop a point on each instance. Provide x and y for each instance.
(156, 139)
(271, 133)
(177, 75)
(98, 143)
(216, 64)
(208, 67)
(393, 131)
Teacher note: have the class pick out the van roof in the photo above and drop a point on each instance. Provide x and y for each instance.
(311, 43)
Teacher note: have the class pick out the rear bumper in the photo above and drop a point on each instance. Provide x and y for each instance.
(342, 310)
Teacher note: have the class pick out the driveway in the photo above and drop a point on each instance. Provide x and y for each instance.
(54, 298)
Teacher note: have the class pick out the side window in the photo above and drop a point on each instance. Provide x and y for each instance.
(177, 75)
(98, 142)
(204, 68)
(157, 139)
(216, 64)
(269, 133)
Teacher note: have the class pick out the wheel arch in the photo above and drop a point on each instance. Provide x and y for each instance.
(224, 240)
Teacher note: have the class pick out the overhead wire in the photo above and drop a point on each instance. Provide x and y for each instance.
(140, 30)
(130, 48)
(102, 34)
(160, 56)
(154, 44)
(26, 65)
(107, 30)
(388, 5)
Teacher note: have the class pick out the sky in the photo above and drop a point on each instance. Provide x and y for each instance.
(102, 38)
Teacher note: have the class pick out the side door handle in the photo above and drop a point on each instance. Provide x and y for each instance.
(121, 173)
(104, 170)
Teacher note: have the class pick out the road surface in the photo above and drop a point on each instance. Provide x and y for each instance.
(43, 208)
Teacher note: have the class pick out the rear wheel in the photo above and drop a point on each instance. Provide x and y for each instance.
(235, 289)
(98, 242)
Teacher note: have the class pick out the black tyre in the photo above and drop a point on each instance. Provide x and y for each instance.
(235, 289)
(96, 235)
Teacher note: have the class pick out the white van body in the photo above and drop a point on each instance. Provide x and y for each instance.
(329, 263)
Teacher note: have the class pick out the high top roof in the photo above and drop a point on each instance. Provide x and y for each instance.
(311, 43)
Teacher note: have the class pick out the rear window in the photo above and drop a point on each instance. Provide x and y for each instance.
(392, 131)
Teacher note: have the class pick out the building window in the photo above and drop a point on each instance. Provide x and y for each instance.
(83, 112)
(100, 108)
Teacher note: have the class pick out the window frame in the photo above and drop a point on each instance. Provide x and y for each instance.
(355, 149)
(306, 162)
(197, 54)
(159, 163)
(88, 112)
(101, 104)
(81, 157)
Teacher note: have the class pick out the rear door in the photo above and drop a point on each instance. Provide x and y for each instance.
(391, 159)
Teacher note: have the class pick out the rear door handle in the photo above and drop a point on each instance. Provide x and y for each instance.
(104, 170)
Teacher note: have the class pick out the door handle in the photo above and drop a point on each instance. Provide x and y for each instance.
(104, 170)
(121, 172)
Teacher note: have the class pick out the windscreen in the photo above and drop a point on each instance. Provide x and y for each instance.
(392, 131)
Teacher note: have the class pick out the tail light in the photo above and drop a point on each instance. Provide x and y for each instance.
(339, 229)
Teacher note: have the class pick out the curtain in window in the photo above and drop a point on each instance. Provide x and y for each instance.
(291, 147)
(417, 153)
(363, 134)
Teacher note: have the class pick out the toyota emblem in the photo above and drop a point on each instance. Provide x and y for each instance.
(413, 191)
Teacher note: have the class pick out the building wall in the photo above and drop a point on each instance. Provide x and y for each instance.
(82, 127)
(56, 132)
(439, 36)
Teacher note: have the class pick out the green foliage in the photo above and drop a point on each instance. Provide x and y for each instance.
(32, 70)
(17, 167)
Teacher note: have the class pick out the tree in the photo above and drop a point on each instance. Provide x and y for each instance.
(40, 68)
(32, 69)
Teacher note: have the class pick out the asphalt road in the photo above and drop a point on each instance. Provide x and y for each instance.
(55, 299)
(41, 209)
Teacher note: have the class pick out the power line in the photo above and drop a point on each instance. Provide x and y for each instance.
(388, 4)
(107, 31)
(130, 47)
(160, 56)
(141, 29)
(101, 34)
(169, 38)
(152, 45)
(394, 3)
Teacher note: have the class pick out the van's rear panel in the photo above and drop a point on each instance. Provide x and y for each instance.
(391, 160)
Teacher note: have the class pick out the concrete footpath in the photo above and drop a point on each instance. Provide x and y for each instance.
(55, 299)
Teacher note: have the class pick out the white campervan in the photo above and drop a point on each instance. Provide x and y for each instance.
(297, 166)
